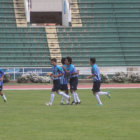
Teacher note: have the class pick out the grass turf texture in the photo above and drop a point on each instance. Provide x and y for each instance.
(25, 117)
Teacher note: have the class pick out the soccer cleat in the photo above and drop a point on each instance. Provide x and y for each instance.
(77, 103)
(61, 103)
(68, 100)
(108, 94)
(100, 104)
(73, 103)
(48, 104)
(5, 100)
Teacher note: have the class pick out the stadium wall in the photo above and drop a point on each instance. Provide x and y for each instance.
(46, 5)
(16, 72)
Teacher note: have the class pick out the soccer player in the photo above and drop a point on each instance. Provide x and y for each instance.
(96, 81)
(64, 82)
(73, 75)
(57, 72)
(1, 85)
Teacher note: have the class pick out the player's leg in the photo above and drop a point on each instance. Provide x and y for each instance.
(51, 99)
(58, 87)
(96, 89)
(105, 93)
(62, 100)
(97, 98)
(78, 101)
(52, 95)
(2, 95)
(66, 92)
(72, 90)
(73, 96)
(101, 92)
(65, 89)
(67, 97)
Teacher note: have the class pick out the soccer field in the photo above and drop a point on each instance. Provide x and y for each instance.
(25, 117)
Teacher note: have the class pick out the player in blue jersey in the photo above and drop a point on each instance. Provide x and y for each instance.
(73, 75)
(1, 85)
(64, 81)
(56, 74)
(96, 81)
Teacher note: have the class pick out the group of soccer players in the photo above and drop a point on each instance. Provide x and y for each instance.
(68, 74)
(61, 76)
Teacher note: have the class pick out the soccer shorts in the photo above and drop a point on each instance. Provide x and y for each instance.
(73, 83)
(1, 87)
(64, 87)
(56, 85)
(96, 86)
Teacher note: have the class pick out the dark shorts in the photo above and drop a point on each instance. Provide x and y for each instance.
(56, 85)
(96, 86)
(1, 87)
(73, 83)
(64, 87)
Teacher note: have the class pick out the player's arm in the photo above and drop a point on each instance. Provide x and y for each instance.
(66, 71)
(49, 74)
(71, 71)
(55, 76)
(77, 72)
(91, 76)
(64, 68)
(60, 74)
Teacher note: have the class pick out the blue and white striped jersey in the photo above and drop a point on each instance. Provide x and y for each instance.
(64, 78)
(1, 74)
(95, 71)
(71, 70)
(56, 70)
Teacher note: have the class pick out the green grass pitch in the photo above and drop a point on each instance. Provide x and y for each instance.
(25, 117)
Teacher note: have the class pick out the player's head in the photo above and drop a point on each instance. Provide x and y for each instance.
(53, 61)
(63, 60)
(92, 60)
(68, 60)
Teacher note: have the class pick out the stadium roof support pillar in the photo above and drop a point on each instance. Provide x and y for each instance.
(27, 10)
(66, 13)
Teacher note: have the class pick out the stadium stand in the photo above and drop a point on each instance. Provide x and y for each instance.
(106, 29)
(20, 46)
(110, 33)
